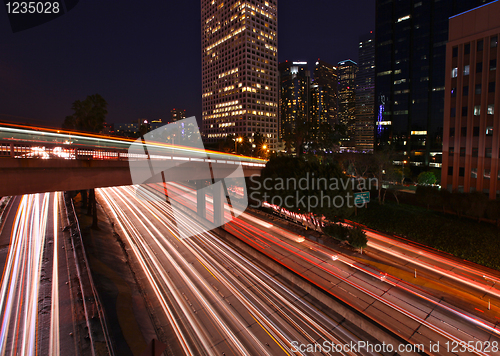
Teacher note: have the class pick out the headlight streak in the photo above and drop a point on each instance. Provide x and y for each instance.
(54, 343)
(396, 283)
(229, 334)
(210, 290)
(135, 243)
(12, 269)
(327, 336)
(21, 279)
(309, 258)
(383, 300)
(163, 208)
(432, 267)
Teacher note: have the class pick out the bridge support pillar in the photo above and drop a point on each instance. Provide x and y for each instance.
(219, 196)
(201, 202)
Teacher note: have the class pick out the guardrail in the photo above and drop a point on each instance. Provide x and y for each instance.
(86, 281)
(23, 150)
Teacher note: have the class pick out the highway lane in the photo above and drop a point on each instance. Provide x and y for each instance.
(218, 301)
(35, 218)
(460, 272)
(408, 311)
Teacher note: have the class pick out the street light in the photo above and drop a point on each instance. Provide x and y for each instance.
(403, 173)
(236, 140)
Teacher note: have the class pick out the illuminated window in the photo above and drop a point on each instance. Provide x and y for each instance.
(491, 109)
(404, 18)
(454, 72)
(466, 70)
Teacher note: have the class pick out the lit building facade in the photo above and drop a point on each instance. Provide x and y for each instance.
(155, 124)
(177, 114)
(410, 55)
(324, 95)
(127, 129)
(347, 71)
(239, 69)
(471, 142)
(294, 109)
(365, 94)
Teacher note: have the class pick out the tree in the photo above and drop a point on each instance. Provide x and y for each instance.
(337, 231)
(297, 178)
(322, 140)
(88, 115)
(356, 164)
(382, 163)
(357, 237)
(426, 178)
(260, 145)
(228, 144)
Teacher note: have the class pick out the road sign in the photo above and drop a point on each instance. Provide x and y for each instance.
(361, 198)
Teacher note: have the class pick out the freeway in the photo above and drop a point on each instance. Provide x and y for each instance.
(217, 300)
(408, 311)
(460, 272)
(35, 222)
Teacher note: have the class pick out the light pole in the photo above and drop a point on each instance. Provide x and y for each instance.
(264, 147)
(403, 173)
(236, 140)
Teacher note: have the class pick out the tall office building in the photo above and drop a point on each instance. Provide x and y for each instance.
(177, 114)
(239, 69)
(324, 95)
(347, 71)
(365, 94)
(472, 114)
(411, 39)
(294, 109)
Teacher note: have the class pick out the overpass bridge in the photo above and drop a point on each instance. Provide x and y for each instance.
(35, 160)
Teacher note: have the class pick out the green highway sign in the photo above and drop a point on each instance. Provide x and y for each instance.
(361, 198)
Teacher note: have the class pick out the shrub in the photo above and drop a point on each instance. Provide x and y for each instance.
(426, 178)
(357, 237)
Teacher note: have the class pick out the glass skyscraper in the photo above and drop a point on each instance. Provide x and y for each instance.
(295, 81)
(365, 94)
(324, 95)
(411, 39)
(347, 71)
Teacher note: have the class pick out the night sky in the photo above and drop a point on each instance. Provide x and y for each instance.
(145, 59)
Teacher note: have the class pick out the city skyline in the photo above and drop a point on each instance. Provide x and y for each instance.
(132, 58)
